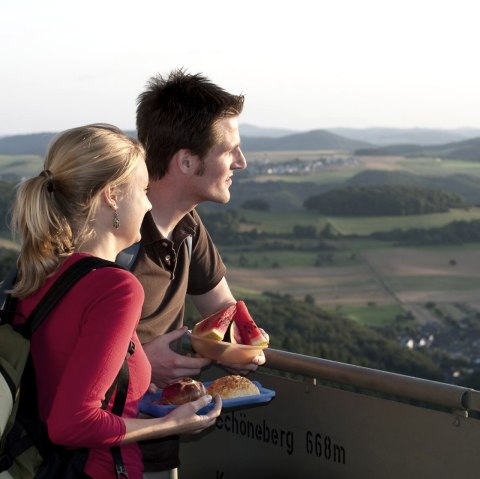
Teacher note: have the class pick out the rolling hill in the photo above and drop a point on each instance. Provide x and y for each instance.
(397, 136)
(31, 144)
(36, 144)
(466, 150)
(464, 185)
(458, 144)
(311, 140)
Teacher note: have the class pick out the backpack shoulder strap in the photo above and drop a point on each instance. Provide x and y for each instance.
(127, 257)
(68, 278)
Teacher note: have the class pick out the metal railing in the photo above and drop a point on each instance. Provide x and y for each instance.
(423, 390)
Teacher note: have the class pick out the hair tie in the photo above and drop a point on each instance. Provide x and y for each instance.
(48, 175)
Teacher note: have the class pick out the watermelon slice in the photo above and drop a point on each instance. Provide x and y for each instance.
(215, 326)
(233, 334)
(246, 328)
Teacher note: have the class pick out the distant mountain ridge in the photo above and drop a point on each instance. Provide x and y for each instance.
(37, 144)
(311, 140)
(29, 144)
(419, 136)
(246, 129)
(32, 143)
(376, 141)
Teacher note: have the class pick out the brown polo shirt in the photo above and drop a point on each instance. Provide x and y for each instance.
(168, 273)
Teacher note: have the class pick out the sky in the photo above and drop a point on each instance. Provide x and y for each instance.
(301, 64)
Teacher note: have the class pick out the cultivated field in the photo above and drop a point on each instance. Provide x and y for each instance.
(366, 274)
(383, 283)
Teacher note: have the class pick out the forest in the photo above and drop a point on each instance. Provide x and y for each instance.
(383, 200)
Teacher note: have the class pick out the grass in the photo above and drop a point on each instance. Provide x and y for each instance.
(283, 222)
(374, 315)
(433, 283)
(281, 258)
(284, 156)
(20, 165)
(433, 167)
(333, 176)
(368, 225)
(451, 311)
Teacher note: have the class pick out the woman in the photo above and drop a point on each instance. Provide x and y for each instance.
(90, 199)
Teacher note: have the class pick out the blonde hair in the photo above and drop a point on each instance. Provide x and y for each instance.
(53, 213)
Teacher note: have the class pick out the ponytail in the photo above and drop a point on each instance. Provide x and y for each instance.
(54, 212)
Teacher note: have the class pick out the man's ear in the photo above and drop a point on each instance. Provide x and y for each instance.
(185, 161)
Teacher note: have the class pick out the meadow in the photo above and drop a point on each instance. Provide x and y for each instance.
(373, 282)
(20, 165)
(369, 280)
(271, 222)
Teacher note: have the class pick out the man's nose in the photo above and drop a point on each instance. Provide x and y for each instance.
(240, 162)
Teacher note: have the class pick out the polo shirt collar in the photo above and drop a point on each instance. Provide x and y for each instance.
(187, 226)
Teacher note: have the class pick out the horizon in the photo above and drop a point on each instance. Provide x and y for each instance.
(289, 131)
(301, 67)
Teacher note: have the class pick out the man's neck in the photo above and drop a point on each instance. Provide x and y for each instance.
(168, 206)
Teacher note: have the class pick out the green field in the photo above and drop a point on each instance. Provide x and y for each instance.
(273, 222)
(435, 167)
(327, 176)
(433, 283)
(20, 165)
(368, 225)
(354, 277)
(285, 259)
(373, 315)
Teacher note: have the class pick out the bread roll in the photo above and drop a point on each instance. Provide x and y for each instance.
(235, 386)
(182, 391)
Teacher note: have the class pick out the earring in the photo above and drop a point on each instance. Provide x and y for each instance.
(116, 220)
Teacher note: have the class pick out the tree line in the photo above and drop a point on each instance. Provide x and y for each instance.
(455, 233)
(383, 200)
(304, 328)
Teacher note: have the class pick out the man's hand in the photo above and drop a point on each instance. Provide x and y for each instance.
(244, 369)
(167, 365)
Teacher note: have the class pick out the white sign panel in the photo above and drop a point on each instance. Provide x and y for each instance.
(310, 431)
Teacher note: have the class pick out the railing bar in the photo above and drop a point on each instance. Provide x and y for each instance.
(433, 392)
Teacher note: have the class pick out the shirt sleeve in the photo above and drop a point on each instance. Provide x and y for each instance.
(108, 303)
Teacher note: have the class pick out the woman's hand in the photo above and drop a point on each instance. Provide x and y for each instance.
(182, 420)
(191, 422)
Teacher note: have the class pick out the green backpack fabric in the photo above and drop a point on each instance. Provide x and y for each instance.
(25, 449)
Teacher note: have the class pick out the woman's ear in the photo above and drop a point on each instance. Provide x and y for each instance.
(109, 196)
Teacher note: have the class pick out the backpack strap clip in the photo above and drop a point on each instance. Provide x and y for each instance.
(6, 461)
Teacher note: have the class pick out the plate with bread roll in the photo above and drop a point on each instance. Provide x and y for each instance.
(234, 390)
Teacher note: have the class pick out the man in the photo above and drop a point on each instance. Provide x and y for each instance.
(189, 128)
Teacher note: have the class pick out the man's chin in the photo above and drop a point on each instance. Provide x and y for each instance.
(223, 199)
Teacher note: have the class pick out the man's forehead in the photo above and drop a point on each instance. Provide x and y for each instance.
(227, 130)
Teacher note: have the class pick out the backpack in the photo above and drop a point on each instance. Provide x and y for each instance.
(25, 449)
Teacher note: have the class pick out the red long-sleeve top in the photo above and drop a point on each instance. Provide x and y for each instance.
(77, 353)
